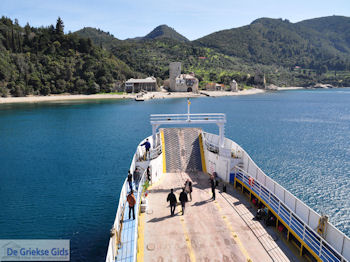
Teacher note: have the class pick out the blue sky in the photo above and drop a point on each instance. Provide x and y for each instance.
(193, 19)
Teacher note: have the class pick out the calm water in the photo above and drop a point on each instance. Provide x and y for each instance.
(62, 164)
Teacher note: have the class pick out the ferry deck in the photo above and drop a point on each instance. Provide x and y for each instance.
(224, 229)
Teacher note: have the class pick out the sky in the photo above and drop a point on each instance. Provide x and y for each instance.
(191, 18)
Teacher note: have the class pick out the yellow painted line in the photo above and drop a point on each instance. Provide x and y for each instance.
(202, 153)
(141, 239)
(284, 223)
(234, 234)
(163, 150)
(188, 240)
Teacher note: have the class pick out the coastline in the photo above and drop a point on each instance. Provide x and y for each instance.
(290, 88)
(147, 96)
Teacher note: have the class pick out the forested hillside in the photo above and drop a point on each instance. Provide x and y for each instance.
(98, 37)
(42, 61)
(286, 54)
(164, 31)
(318, 44)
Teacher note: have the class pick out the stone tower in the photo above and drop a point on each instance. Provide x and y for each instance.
(174, 71)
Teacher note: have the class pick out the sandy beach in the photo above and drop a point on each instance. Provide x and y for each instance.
(147, 96)
(290, 88)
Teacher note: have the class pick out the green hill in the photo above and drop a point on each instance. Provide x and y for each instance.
(270, 47)
(164, 31)
(41, 61)
(98, 37)
(44, 60)
(334, 30)
(152, 57)
(309, 44)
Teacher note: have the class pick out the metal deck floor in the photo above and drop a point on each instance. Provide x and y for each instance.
(220, 230)
(126, 251)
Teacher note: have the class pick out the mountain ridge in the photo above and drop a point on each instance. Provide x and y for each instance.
(45, 60)
(268, 41)
(274, 47)
(164, 31)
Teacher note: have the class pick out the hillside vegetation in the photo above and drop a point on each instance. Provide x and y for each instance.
(164, 31)
(285, 53)
(274, 41)
(44, 60)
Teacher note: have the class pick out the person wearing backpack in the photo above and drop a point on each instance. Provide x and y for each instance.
(172, 199)
(188, 188)
(132, 201)
(183, 199)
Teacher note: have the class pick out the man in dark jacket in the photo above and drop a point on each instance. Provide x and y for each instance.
(149, 174)
(172, 199)
(147, 147)
(137, 177)
(212, 185)
(183, 199)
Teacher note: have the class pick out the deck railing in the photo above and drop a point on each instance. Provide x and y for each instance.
(154, 152)
(316, 243)
(183, 118)
(115, 234)
(211, 147)
(333, 239)
(138, 201)
(116, 230)
(336, 239)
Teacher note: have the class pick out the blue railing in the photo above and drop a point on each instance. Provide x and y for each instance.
(318, 245)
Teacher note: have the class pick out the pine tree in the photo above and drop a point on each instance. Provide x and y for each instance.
(59, 26)
(27, 31)
(19, 43)
(13, 44)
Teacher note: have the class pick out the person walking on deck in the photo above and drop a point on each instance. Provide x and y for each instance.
(183, 199)
(147, 147)
(137, 177)
(172, 199)
(212, 185)
(188, 188)
(132, 201)
(130, 180)
(149, 174)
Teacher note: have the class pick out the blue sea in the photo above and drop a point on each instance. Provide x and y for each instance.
(62, 164)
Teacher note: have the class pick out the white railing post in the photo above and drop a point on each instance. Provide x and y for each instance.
(320, 250)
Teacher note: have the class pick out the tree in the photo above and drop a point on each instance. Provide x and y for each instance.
(324, 69)
(27, 30)
(59, 26)
(212, 76)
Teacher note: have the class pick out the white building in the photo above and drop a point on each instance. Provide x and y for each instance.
(181, 82)
(234, 86)
(137, 85)
(186, 83)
